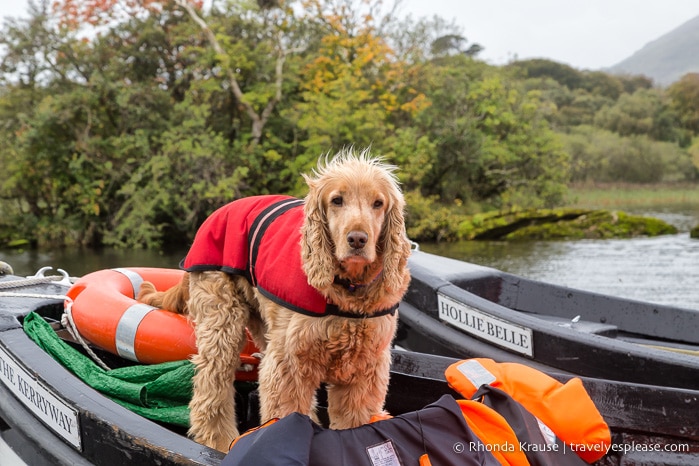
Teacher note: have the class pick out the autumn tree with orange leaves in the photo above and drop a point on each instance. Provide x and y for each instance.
(354, 88)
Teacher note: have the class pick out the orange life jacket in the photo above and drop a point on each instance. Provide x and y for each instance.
(566, 409)
(518, 416)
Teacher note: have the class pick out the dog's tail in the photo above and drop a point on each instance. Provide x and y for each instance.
(175, 299)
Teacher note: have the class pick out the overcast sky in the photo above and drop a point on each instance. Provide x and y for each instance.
(586, 34)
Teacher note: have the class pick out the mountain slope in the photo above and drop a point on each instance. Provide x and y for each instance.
(667, 58)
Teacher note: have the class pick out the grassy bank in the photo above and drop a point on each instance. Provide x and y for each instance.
(624, 196)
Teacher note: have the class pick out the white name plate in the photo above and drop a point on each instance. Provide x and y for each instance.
(485, 326)
(44, 403)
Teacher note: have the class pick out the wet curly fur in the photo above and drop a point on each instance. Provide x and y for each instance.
(353, 229)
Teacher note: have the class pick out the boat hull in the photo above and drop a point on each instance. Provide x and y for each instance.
(464, 310)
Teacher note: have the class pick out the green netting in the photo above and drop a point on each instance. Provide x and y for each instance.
(159, 392)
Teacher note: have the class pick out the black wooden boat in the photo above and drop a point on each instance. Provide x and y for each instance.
(463, 310)
(50, 417)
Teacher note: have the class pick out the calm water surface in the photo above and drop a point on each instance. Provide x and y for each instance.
(663, 269)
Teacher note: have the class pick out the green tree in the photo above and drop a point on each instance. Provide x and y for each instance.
(685, 100)
(564, 107)
(542, 68)
(634, 83)
(131, 133)
(602, 84)
(646, 111)
(421, 40)
(603, 156)
(631, 114)
(42, 115)
(193, 172)
(101, 104)
(492, 143)
(582, 109)
(521, 159)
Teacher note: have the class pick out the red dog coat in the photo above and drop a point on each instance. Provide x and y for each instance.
(260, 238)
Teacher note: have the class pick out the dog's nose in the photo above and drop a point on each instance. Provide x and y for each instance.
(357, 239)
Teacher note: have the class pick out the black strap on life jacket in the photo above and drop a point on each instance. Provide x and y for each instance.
(333, 310)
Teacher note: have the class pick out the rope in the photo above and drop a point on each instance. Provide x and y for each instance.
(66, 318)
(13, 294)
(29, 281)
(69, 324)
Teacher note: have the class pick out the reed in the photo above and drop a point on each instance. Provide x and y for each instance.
(621, 196)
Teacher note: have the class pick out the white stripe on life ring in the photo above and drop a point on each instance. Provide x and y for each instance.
(135, 279)
(127, 327)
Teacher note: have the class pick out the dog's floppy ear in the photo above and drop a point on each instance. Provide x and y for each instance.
(394, 242)
(316, 245)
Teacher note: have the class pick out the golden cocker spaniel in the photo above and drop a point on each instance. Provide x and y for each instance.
(317, 283)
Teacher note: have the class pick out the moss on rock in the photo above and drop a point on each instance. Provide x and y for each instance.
(694, 232)
(560, 224)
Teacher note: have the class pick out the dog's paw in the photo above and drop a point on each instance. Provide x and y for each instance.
(149, 295)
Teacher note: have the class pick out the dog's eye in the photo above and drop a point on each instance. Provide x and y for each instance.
(336, 201)
(378, 204)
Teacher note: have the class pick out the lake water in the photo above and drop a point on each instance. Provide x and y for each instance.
(663, 269)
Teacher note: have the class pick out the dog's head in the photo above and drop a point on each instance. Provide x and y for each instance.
(354, 226)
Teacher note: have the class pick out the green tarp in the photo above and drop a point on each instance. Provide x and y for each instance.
(159, 392)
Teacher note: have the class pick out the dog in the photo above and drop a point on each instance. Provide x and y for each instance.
(316, 282)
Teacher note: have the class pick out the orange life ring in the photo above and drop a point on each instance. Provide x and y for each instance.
(107, 315)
